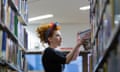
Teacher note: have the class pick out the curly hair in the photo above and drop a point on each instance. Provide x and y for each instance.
(46, 30)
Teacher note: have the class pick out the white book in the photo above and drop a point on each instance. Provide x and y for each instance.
(1, 32)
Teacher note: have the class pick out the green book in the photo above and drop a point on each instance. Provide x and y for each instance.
(16, 26)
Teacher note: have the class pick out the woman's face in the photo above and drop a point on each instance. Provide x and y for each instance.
(56, 39)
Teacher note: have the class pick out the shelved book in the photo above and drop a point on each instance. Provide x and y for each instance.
(20, 32)
(4, 37)
(19, 59)
(3, 69)
(1, 33)
(11, 52)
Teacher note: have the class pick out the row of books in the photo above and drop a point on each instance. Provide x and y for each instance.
(103, 33)
(112, 63)
(3, 69)
(10, 19)
(100, 30)
(22, 7)
(101, 15)
(11, 51)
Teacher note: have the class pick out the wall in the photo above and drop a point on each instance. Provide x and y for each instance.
(69, 32)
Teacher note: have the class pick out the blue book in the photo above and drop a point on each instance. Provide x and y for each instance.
(4, 37)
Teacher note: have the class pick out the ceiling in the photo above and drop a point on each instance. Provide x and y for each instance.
(64, 11)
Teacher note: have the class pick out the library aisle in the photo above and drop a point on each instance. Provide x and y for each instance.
(101, 50)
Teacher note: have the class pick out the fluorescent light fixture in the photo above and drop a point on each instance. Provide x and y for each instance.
(40, 17)
(85, 7)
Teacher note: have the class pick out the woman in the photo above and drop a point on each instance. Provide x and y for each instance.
(52, 59)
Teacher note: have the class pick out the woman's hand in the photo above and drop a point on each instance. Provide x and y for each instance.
(80, 42)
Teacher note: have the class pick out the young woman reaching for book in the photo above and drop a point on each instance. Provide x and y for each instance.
(52, 59)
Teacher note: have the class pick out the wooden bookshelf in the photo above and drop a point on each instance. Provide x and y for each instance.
(93, 5)
(12, 31)
(10, 66)
(6, 29)
(100, 20)
(20, 18)
(106, 33)
(11, 35)
(109, 47)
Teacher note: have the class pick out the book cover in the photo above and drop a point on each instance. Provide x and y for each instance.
(87, 36)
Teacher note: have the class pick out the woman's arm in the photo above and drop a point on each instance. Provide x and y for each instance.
(70, 55)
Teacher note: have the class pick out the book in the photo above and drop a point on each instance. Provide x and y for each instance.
(4, 37)
(3, 69)
(15, 26)
(87, 36)
(1, 32)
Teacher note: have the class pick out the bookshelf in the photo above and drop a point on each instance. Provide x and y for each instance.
(13, 35)
(105, 35)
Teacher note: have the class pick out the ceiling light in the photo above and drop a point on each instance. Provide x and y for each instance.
(40, 17)
(85, 7)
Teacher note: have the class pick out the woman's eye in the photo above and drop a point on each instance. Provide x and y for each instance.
(57, 35)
